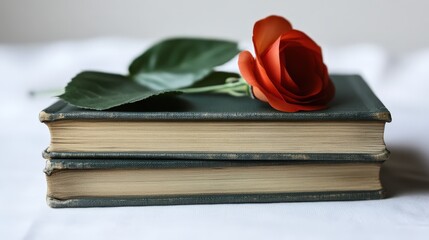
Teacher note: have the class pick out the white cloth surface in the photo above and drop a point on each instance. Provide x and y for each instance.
(401, 83)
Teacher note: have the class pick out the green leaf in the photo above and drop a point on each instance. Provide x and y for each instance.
(214, 78)
(180, 62)
(100, 91)
(169, 80)
(165, 67)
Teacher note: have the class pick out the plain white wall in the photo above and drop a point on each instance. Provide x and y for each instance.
(398, 25)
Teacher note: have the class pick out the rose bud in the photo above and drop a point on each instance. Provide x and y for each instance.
(288, 71)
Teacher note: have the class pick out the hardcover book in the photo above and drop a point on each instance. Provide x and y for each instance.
(124, 182)
(223, 128)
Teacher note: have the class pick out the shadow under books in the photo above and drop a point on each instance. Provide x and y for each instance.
(407, 171)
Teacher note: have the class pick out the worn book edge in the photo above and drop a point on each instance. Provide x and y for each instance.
(216, 199)
(379, 157)
(54, 165)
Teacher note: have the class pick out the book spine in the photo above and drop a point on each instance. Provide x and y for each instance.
(216, 199)
(351, 157)
(54, 165)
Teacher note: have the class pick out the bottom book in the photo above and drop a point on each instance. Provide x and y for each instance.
(107, 183)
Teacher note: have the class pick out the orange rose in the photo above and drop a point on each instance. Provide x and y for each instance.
(288, 71)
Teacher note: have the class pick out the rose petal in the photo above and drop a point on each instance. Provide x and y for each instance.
(292, 39)
(251, 71)
(315, 67)
(265, 82)
(287, 82)
(255, 74)
(284, 106)
(267, 30)
(246, 65)
(271, 63)
(302, 69)
(293, 91)
(301, 39)
(324, 96)
(259, 95)
(288, 70)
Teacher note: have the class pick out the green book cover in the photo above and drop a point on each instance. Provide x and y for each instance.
(354, 102)
(361, 179)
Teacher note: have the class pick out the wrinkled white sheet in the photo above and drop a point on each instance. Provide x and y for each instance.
(401, 82)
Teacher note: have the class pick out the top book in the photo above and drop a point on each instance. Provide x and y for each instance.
(222, 127)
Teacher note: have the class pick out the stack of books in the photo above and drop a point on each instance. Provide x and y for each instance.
(205, 149)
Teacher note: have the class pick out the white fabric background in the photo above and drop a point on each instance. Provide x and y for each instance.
(401, 83)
